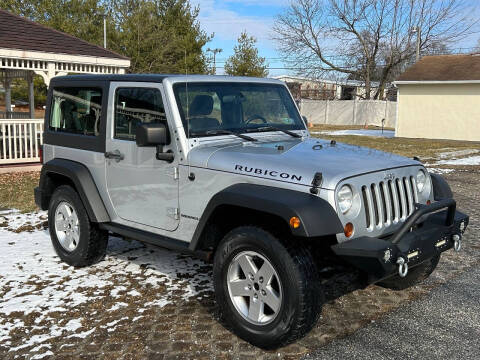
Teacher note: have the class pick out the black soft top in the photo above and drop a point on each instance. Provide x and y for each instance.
(113, 77)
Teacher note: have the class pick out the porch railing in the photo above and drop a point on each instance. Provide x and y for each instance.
(14, 115)
(20, 141)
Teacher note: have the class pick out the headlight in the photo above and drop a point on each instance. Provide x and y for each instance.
(345, 198)
(421, 180)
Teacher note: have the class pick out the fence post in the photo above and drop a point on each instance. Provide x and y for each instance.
(355, 110)
(386, 111)
(326, 112)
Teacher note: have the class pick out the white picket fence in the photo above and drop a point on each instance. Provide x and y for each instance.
(20, 141)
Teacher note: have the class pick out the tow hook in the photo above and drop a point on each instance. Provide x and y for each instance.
(402, 267)
(457, 242)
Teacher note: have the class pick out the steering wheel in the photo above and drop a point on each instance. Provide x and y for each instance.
(255, 117)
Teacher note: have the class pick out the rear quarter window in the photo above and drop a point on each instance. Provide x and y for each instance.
(76, 110)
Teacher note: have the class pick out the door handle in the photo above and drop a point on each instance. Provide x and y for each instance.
(115, 154)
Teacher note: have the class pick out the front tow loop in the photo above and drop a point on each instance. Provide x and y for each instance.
(402, 267)
(457, 242)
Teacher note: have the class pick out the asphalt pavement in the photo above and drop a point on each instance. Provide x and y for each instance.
(443, 325)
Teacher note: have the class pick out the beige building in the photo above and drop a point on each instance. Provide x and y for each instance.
(439, 98)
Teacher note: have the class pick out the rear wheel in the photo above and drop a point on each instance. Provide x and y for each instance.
(415, 275)
(76, 240)
(269, 293)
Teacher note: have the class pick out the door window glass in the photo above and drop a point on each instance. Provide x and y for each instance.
(134, 106)
(76, 111)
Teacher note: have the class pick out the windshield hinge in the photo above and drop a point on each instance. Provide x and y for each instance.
(173, 172)
(173, 213)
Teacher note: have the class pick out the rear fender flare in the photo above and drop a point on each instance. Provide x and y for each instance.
(83, 181)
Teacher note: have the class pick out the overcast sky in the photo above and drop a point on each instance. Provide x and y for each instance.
(228, 18)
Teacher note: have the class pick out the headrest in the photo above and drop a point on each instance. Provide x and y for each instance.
(202, 105)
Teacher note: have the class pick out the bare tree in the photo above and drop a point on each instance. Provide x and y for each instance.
(367, 39)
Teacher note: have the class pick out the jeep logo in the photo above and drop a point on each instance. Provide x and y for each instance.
(389, 176)
(266, 172)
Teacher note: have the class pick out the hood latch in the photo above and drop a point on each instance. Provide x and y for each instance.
(316, 183)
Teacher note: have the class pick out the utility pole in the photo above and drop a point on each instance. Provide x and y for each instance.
(105, 31)
(416, 30)
(214, 52)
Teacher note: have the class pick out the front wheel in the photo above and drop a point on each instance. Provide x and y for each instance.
(269, 293)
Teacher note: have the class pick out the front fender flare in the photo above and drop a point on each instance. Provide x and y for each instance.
(441, 189)
(317, 216)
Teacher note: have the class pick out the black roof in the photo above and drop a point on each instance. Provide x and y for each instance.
(114, 77)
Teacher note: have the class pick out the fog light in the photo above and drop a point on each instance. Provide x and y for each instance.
(348, 230)
(412, 255)
(441, 243)
(463, 226)
(294, 222)
(387, 255)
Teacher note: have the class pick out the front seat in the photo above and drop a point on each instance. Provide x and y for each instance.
(200, 109)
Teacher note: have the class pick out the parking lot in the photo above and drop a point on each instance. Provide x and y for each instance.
(146, 302)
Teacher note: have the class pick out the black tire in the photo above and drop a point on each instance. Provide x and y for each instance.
(302, 294)
(92, 242)
(415, 275)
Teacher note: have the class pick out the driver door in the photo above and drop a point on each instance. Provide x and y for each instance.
(142, 189)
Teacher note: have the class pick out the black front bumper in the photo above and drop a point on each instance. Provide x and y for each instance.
(415, 241)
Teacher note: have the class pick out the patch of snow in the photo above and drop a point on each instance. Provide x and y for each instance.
(117, 306)
(134, 293)
(472, 160)
(115, 291)
(33, 280)
(457, 153)
(359, 132)
(440, 171)
(73, 325)
(83, 334)
(16, 220)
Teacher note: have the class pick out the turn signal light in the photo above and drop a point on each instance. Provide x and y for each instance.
(348, 230)
(294, 222)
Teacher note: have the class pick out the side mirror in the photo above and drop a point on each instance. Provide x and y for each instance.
(154, 135)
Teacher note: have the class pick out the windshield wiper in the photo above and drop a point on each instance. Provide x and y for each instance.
(228, 132)
(273, 128)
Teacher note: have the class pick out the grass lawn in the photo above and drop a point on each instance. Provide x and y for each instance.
(425, 149)
(16, 191)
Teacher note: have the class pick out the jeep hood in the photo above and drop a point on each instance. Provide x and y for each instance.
(295, 161)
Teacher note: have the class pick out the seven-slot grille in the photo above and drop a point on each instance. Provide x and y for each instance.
(389, 202)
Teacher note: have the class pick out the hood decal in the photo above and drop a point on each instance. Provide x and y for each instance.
(269, 173)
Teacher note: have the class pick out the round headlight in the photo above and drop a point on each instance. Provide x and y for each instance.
(345, 198)
(421, 180)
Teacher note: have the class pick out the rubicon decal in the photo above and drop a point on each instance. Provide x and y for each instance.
(266, 172)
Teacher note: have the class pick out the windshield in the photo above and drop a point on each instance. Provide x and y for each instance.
(236, 107)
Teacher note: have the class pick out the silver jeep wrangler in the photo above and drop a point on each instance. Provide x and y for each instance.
(224, 168)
